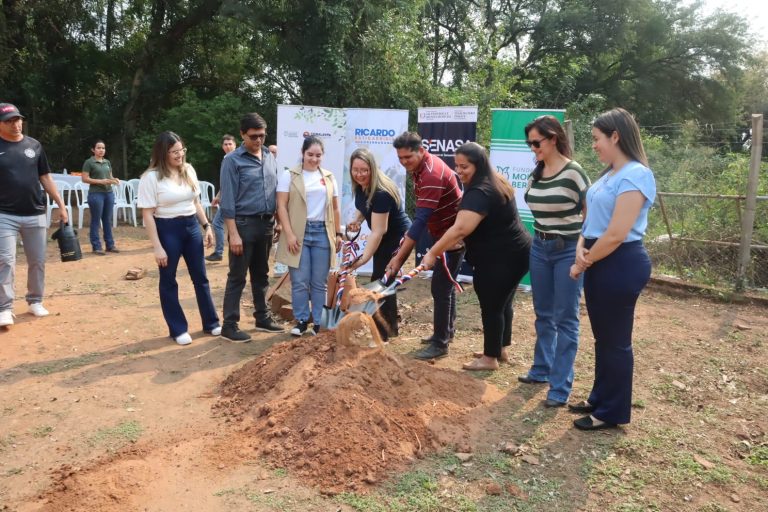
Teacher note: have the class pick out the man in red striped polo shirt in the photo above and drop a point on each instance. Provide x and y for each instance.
(438, 196)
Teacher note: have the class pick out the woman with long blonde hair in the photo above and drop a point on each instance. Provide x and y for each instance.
(378, 202)
(168, 194)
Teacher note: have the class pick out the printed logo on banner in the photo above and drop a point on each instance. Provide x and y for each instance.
(442, 147)
(366, 136)
(321, 135)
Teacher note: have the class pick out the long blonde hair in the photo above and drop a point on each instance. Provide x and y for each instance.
(379, 180)
(159, 159)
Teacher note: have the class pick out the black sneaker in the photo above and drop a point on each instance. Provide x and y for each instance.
(316, 329)
(114, 250)
(299, 329)
(214, 257)
(235, 335)
(268, 325)
(432, 352)
(431, 340)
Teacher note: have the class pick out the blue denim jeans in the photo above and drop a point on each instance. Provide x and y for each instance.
(309, 281)
(102, 206)
(181, 237)
(218, 231)
(556, 303)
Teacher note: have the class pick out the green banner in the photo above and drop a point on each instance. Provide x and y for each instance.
(512, 157)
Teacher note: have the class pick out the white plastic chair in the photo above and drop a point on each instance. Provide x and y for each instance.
(80, 190)
(134, 184)
(207, 193)
(65, 191)
(124, 202)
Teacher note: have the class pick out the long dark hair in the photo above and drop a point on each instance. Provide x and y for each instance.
(484, 172)
(548, 127)
(620, 121)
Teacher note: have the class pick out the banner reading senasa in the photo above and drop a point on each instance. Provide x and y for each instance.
(512, 157)
(443, 130)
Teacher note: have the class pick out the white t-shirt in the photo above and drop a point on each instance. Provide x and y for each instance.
(314, 187)
(169, 199)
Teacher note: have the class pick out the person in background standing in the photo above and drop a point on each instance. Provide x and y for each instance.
(23, 170)
(615, 264)
(97, 174)
(228, 145)
(308, 210)
(556, 196)
(248, 188)
(168, 194)
(378, 202)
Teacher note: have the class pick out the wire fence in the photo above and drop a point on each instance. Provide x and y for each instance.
(696, 237)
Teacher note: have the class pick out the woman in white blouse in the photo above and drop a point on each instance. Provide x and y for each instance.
(308, 210)
(168, 194)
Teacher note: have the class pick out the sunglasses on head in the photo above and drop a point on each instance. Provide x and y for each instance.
(535, 143)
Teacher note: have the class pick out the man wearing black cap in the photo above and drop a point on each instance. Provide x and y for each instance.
(23, 169)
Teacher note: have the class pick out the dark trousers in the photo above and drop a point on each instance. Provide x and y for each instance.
(495, 282)
(611, 288)
(256, 233)
(386, 319)
(444, 297)
(181, 237)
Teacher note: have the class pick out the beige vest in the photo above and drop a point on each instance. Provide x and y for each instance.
(297, 213)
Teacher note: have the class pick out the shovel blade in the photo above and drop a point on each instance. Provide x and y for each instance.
(376, 286)
(330, 317)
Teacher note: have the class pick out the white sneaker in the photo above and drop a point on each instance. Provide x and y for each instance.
(6, 317)
(216, 331)
(37, 309)
(183, 339)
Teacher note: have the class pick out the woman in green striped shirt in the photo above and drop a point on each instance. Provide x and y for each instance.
(556, 193)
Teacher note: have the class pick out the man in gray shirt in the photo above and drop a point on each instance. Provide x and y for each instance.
(248, 188)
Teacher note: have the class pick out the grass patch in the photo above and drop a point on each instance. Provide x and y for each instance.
(62, 364)
(362, 503)
(758, 456)
(13, 471)
(41, 432)
(5, 442)
(118, 436)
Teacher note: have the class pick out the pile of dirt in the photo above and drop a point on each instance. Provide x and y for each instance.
(343, 416)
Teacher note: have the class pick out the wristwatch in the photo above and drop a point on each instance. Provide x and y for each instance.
(339, 233)
(206, 225)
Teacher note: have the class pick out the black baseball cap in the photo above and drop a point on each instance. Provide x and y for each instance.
(8, 111)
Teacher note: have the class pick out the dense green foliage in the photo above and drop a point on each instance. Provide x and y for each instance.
(123, 70)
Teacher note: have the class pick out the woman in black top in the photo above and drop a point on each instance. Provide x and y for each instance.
(497, 246)
(378, 202)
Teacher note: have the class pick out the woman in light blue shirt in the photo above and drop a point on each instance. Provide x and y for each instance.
(615, 264)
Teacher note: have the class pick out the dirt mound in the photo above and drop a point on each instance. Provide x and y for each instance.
(344, 416)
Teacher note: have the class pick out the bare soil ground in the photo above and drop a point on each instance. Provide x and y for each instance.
(100, 410)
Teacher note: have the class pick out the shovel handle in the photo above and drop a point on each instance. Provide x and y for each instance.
(410, 275)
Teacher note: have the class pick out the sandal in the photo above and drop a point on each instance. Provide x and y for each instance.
(504, 356)
(479, 366)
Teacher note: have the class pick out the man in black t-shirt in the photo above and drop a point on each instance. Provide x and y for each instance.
(23, 170)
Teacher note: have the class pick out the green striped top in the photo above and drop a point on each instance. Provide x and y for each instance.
(556, 202)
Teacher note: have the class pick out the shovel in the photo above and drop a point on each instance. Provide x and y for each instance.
(331, 316)
(371, 306)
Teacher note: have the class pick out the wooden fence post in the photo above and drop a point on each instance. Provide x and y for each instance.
(750, 204)
(569, 134)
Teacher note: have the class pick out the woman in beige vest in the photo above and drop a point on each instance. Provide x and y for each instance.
(308, 211)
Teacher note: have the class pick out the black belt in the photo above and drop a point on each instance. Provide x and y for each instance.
(553, 236)
(262, 216)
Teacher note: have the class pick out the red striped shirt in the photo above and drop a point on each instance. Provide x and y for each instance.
(436, 187)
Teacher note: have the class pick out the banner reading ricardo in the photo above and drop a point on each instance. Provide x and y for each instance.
(512, 157)
(442, 130)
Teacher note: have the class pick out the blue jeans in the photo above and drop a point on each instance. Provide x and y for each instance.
(102, 206)
(181, 237)
(309, 281)
(218, 231)
(556, 303)
(611, 289)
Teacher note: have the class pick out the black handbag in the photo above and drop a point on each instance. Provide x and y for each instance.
(69, 245)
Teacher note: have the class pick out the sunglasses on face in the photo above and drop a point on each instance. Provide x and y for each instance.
(257, 136)
(535, 143)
